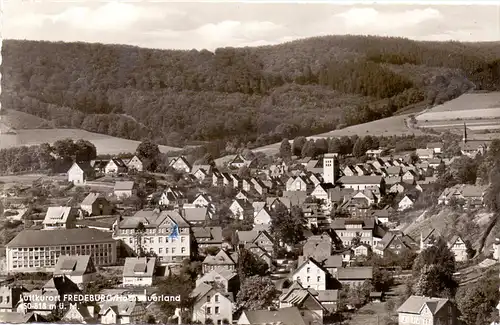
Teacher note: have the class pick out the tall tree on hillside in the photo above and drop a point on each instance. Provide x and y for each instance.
(288, 227)
(298, 144)
(309, 149)
(334, 145)
(359, 148)
(149, 153)
(321, 145)
(85, 150)
(346, 145)
(464, 170)
(250, 265)
(64, 149)
(285, 149)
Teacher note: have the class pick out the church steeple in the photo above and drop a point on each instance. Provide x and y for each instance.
(464, 139)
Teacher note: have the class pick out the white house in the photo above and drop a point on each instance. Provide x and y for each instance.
(135, 164)
(405, 203)
(124, 189)
(211, 302)
(263, 217)
(139, 271)
(60, 217)
(311, 275)
(115, 166)
(78, 268)
(97, 205)
(180, 164)
(79, 173)
(122, 312)
(458, 247)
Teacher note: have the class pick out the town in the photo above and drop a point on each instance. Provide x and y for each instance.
(320, 233)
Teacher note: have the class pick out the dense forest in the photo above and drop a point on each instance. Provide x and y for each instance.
(253, 96)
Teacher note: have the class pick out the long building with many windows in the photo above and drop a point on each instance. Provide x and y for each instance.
(39, 250)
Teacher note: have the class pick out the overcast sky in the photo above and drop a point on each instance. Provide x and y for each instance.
(210, 25)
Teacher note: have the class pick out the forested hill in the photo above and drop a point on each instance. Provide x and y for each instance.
(256, 95)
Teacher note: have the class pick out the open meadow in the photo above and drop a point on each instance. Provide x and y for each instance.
(104, 144)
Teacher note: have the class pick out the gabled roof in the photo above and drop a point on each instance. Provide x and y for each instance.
(139, 267)
(340, 224)
(220, 271)
(19, 318)
(57, 215)
(196, 214)
(208, 234)
(415, 304)
(90, 198)
(118, 162)
(310, 260)
(222, 258)
(124, 185)
(84, 166)
(72, 264)
(153, 219)
(121, 308)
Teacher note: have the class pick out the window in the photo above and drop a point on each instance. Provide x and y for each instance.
(209, 310)
(308, 269)
(208, 298)
(308, 278)
(319, 278)
(160, 250)
(182, 239)
(173, 250)
(219, 322)
(217, 310)
(216, 298)
(160, 239)
(183, 250)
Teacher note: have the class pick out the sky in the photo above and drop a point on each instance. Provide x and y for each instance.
(208, 25)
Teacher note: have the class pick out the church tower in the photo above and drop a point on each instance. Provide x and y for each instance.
(330, 168)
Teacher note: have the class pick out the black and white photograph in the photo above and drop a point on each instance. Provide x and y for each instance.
(250, 162)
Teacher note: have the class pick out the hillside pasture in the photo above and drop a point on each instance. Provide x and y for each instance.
(483, 113)
(104, 144)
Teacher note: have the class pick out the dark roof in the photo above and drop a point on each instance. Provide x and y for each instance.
(31, 238)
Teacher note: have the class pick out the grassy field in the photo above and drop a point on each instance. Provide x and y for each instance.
(20, 120)
(105, 144)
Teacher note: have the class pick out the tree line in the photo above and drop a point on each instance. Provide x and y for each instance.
(253, 94)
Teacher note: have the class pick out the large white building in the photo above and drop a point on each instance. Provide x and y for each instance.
(165, 233)
(39, 250)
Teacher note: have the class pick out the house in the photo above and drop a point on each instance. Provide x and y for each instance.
(202, 200)
(165, 234)
(310, 274)
(360, 183)
(429, 238)
(260, 253)
(207, 237)
(263, 217)
(459, 248)
(239, 161)
(96, 204)
(60, 218)
(122, 312)
(314, 166)
(354, 276)
(288, 316)
(318, 247)
(410, 177)
(212, 305)
(10, 295)
(242, 195)
(196, 216)
(437, 147)
(311, 309)
(236, 181)
(116, 166)
(99, 166)
(35, 250)
(374, 153)
(124, 189)
(136, 164)
(425, 153)
(259, 186)
(172, 197)
(139, 271)
(241, 209)
(221, 260)
(201, 172)
(180, 164)
(261, 238)
(321, 191)
(395, 243)
(427, 310)
(463, 194)
(361, 250)
(299, 184)
(80, 313)
(78, 268)
(80, 173)
(405, 203)
(228, 280)
(365, 229)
